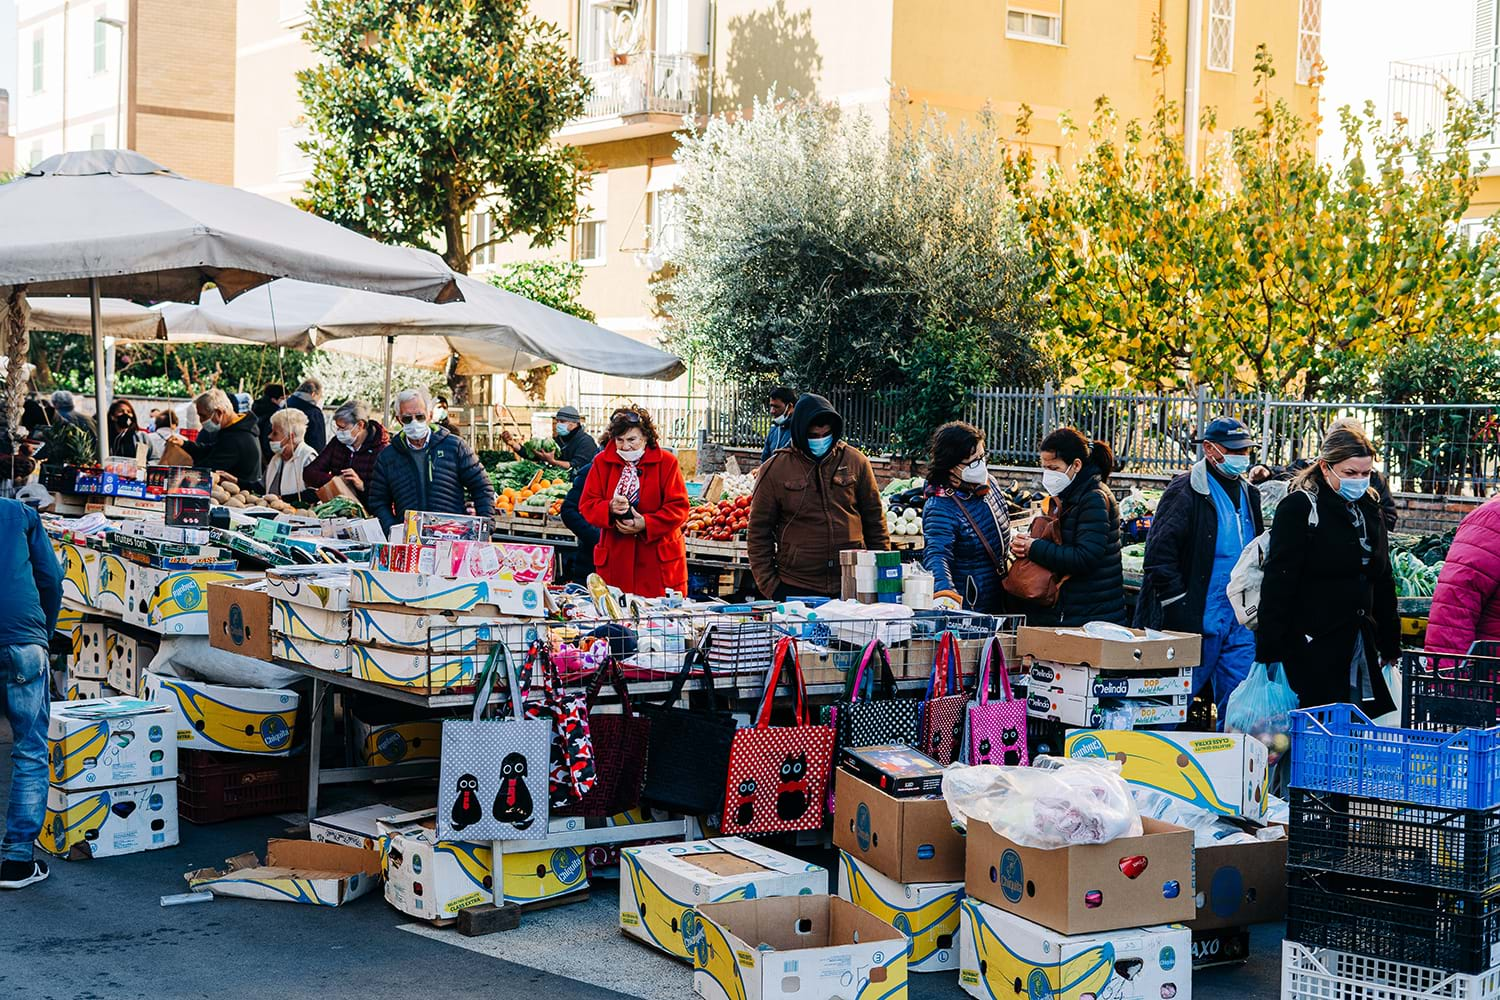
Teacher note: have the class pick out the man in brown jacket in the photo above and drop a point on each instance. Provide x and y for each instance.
(813, 499)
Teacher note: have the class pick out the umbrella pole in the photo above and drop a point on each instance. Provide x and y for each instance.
(390, 348)
(101, 378)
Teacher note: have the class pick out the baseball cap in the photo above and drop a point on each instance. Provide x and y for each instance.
(1229, 433)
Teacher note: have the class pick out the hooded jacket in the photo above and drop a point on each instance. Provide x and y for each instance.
(397, 485)
(1466, 602)
(653, 561)
(235, 450)
(806, 511)
(336, 457)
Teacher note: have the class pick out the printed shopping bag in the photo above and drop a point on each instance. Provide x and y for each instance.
(573, 772)
(997, 729)
(687, 759)
(619, 739)
(873, 715)
(778, 774)
(492, 781)
(943, 714)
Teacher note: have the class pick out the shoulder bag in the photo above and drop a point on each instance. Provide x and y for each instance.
(687, 757)
(620, 740)
(997, 729)
(1030, 581)
(943, 712)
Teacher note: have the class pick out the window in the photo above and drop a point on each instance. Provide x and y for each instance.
(589, 234)
(664, 206)
(35, 156)
(1036, 21)
(96, 137)
(38, 60)
(101, 41)
(594, 23)
(1309, 38)
(481, 231)
(1221, 35)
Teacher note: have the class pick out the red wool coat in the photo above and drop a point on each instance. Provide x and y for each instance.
(1466, 602)
(650, 563)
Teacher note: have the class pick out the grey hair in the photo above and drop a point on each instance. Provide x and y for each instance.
(289, 421)
(62, 399)
(407, 395)
(311, 386)
(351, 412)
(213, 401)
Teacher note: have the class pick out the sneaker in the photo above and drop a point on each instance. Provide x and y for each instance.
(20, 874)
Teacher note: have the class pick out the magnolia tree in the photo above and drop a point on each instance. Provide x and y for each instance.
(345, 377)
(823, 249)
(1269, 271)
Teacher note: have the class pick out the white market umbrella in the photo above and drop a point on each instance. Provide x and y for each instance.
(114, 223)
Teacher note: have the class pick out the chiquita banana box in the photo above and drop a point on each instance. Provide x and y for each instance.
(926, 912)
(107, 822)
(1225, 773)
(417, 670)
(109, 584)
(395, 742)
(434, 879)
(78, 564)
(796, 948)
(112, 741)
(88, 656)
(174, 602)
(217, 717)
(998, 950)
(660, 884)
(299, 621)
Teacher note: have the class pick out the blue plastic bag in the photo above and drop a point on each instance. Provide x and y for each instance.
(1261, 707)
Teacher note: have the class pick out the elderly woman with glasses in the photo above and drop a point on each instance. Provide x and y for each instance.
(426, 468)
(358, 439)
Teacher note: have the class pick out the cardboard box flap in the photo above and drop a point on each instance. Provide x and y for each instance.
(296, 871)
(310, 855)
(799, 923)
(725, 864)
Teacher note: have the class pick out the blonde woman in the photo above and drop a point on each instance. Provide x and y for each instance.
(289, 453)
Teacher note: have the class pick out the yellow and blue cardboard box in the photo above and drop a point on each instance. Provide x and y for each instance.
(310, 586)
(298, 621)
(355, 828)
(112, 741)
(1224, 773)
(434, 879)
(295, 871)
(84, 689)
(796, 948)
(481, 595)
(397, 742)
(126, 659)
(173, 602)
(218, 717)
(69, 621)
(88, 658)
(328, 656)
(78, 564)
(926, 912)
(660, 884)
(415, 670)
(450, 631)
(997, 950)
(108, 822)
(109, 584)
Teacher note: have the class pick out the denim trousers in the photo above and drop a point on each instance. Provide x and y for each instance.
(26, 686)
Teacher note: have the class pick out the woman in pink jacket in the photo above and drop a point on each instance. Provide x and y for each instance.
(1466, 603)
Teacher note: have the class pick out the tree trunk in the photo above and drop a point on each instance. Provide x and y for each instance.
(16, 343)
(455, 254)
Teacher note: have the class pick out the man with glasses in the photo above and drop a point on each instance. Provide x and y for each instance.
(426, 468)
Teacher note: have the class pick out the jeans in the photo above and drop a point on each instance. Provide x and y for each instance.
(24, 672)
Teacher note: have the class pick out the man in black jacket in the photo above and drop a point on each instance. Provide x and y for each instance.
(1205, 519)
(272, 398)
(309, 399)
(235, 445)
(582, 562)
(426, 468)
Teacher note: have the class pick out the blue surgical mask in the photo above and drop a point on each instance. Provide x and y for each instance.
(562, 429)
(211, 426)
(1352, 489)
(1235, 465)
(820, 446)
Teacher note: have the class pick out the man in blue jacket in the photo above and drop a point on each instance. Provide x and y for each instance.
(28, 615)
(582, 562)
(782, 402)
(426, 468)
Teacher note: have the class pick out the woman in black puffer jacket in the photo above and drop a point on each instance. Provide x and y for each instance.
(1075, 473)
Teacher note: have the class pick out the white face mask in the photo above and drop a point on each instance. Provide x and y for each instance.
(974, 473)
(345, 437)
(631, 456)
(440, 413)
(417, 431)
(1055, 482)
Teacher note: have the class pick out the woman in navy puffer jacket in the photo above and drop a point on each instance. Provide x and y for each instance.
(965, 524)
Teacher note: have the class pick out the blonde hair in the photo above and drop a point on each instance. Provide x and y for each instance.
(290, 422)
(1342, 442)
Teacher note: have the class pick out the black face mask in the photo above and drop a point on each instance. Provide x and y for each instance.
(122, 420)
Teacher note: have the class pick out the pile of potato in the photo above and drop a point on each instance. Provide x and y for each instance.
(227, 492)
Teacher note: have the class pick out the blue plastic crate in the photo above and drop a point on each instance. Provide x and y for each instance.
(1336, 748)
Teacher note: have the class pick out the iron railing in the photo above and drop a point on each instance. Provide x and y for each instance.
(641, 83)
(1423, 91)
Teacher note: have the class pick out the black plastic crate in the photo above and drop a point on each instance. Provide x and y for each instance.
(1421, 925)
(1447, 692)
(1043, 736)
(214, 787)
(1456, 849)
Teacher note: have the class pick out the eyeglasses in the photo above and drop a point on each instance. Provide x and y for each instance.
(407, 418)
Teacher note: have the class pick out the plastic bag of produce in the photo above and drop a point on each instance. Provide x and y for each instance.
(1053, 803)
(1262, 707)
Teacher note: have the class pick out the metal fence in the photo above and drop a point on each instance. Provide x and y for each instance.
(738, 416)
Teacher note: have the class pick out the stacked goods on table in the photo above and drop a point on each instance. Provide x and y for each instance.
(1394, 859)
(872, 577)
(112, 779)
(518, 484)
(1108, 676)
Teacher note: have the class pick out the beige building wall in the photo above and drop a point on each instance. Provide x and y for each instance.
(268, 53)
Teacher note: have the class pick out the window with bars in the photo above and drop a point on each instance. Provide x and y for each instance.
(38, 60)
(1037, 21)
(1221, 35)
(1309, 38)
(481, 231)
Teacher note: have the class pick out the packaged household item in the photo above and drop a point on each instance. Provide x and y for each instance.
(295, 871)
(107, 822)
(661, 884)
(1055, 803)
(926, 912)
(899, 771)
(999, 949)
(112, 741)
(796, 948)
(907, 840)
(1224, 773)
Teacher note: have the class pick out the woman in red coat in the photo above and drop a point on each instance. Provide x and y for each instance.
(635, 496)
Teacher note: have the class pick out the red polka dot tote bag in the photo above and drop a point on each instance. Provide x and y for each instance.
(997, 729)
(778, 775)
(944, 710)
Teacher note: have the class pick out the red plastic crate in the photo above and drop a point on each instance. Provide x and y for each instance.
(214, 787)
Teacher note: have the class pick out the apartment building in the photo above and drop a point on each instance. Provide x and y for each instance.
(152, 75)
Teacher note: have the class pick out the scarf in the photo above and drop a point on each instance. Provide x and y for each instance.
(984, 491)
(629, 485)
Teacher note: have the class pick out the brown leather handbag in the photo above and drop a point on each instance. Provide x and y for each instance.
(1030, 581)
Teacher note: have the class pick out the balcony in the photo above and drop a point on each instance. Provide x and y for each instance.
(637, 95)
(1422, 92)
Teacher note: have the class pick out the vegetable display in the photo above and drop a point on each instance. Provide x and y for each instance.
(534, 495)
(536, 446)
(339, 507)
(728, 519)
(1414, 578)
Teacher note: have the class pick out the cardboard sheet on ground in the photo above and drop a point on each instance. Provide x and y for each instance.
(295, 871)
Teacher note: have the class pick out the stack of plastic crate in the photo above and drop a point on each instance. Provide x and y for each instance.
(1393, 863)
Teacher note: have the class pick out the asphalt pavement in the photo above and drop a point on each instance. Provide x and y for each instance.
(96, 930)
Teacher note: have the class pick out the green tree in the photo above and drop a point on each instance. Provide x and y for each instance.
(1268, 271)
(554, 283)
(421, 113)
